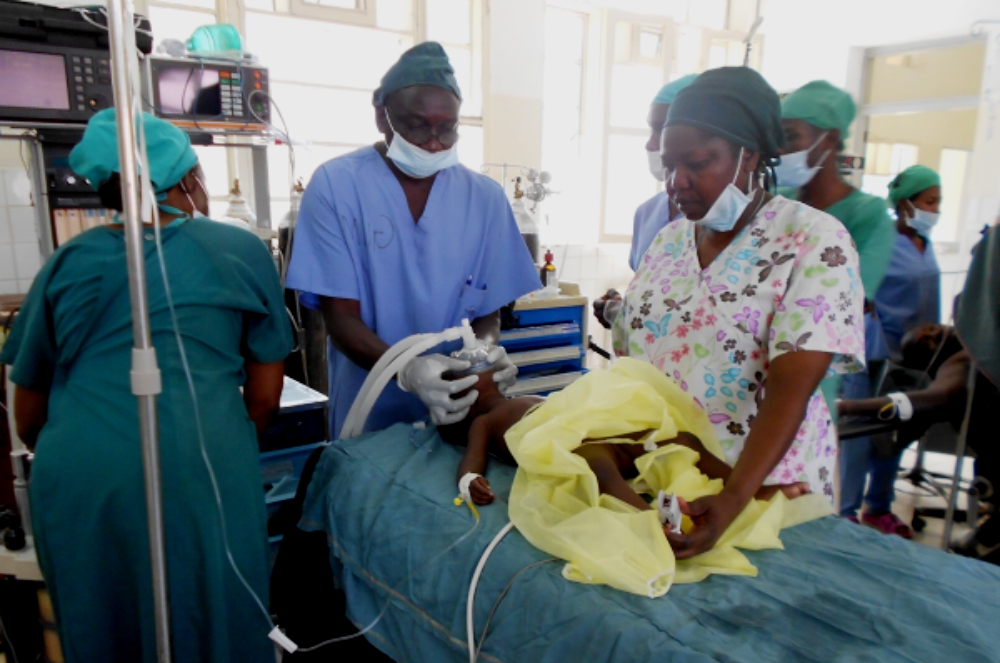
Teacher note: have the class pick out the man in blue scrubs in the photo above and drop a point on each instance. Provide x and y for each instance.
(658, 211)
(400, 239)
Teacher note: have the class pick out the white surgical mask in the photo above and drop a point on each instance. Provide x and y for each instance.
(655, 165)
(729, 206)
(794, 170)
(195, 213)
(923, 221)
(415, 161)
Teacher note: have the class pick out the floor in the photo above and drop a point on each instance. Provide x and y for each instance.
(909, 497)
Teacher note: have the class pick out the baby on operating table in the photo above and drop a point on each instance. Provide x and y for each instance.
(482, 433)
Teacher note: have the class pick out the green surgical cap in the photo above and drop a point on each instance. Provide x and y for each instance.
(169, 149)
(668, 92)
(734, 103)
(912, 181)
(822, 105)
(424, 64)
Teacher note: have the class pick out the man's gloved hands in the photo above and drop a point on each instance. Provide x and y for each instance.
(505, 374)
(423, 376)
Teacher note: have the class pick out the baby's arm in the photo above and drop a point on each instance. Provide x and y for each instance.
(606, 464)
(474, 460)
(708, 463)
(486, 434)
(714, 468)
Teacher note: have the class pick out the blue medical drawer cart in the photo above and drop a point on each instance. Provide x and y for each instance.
(548, 342)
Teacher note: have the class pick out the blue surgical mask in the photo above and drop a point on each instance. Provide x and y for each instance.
(415, 161)
(923, 221)
(728, 207)
(656, 165)
(794, 170)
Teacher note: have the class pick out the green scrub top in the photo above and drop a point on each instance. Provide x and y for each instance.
(73, 340)
(978, 316)
(867, 218)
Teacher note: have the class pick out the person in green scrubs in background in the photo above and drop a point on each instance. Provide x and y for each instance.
(70, 349)
(816, 119)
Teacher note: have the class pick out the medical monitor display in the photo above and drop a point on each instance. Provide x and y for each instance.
(33, 80)
(188, 91)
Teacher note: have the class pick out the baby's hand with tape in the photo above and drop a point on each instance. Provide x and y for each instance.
(480, 491)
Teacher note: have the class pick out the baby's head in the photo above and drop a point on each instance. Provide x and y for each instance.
(489, 393)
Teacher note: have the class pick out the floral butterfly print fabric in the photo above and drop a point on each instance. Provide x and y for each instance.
(789, 282)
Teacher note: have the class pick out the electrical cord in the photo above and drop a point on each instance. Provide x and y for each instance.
(85, 15)
(7, 639)
(297, 329)
(148, 195)
(282, 135)
(196, 410)
(470, 603)
(489, 619)
(284, 254)
(388, 601)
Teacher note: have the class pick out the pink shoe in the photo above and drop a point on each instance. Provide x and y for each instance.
(887, 523)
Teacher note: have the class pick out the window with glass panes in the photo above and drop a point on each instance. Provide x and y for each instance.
(594, 140)
(325, 59)
(323, 73)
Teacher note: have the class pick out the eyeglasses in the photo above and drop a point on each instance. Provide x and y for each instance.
(424, 135)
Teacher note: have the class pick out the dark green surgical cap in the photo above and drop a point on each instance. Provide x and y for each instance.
(424, 64)
(96, 156)
(822, 105)
(734, 103)
(912, 181)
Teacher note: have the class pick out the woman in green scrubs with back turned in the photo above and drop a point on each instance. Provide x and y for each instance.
(70, 351)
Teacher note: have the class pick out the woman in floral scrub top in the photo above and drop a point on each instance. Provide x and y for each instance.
(749, 318)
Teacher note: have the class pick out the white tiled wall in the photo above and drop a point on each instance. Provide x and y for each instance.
(20, 256)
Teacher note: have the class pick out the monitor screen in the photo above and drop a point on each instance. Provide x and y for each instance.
(189, 91)
(33, 80)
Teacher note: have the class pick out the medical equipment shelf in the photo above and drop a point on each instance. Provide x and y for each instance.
(547, 358)
(298, 429)
(21, 564)
(544, 384)
(547, 341)
(543, 336)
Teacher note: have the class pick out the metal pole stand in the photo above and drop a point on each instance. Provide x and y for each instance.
(145, 374)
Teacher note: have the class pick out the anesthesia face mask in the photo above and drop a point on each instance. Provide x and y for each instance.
(474, 351)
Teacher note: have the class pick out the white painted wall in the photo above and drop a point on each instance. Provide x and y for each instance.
(512, 105)
(810, 39)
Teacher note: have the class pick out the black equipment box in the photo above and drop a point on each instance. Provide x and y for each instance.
(55, 64)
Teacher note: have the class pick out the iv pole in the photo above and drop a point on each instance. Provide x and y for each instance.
(145, 374)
